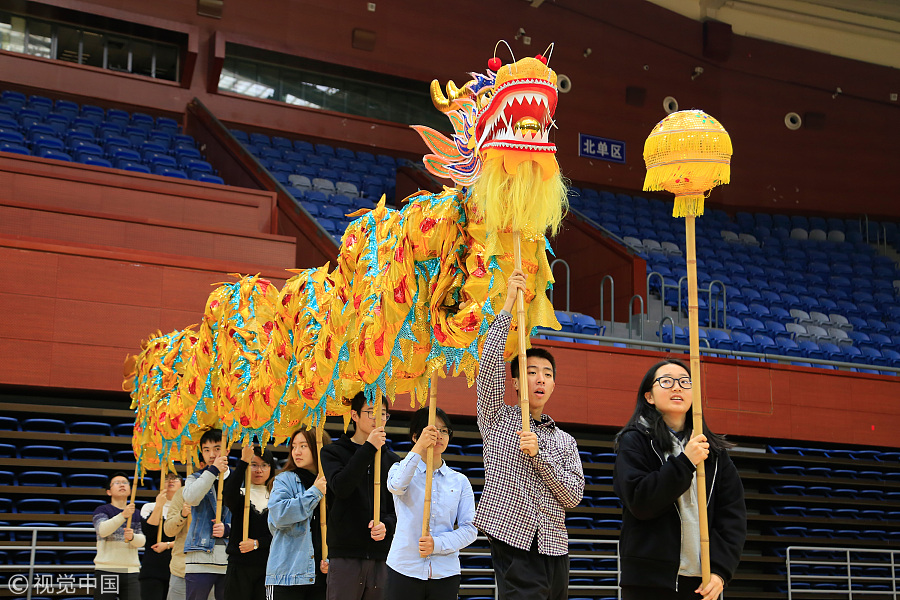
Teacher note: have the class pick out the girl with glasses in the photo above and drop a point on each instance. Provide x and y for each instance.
(427, 567)
(246, 573)
(657, 454)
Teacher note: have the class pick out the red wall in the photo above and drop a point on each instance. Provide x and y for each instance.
(842, 168)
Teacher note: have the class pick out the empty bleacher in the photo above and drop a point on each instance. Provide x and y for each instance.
(91, 135)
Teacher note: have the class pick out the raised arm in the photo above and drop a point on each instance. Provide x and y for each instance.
(401, 474)
(491, 381)
(196, 486)
(561, 471)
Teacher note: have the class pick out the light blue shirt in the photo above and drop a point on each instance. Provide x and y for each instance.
(452, 514)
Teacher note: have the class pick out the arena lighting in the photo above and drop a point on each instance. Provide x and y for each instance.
(793, 121)
(670, 105)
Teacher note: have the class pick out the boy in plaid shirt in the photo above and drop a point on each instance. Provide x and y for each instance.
(530, 477)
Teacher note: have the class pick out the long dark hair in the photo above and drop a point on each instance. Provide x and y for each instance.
(310, 436)
(659, 431)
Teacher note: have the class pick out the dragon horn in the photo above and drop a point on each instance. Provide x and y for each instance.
(444, 103)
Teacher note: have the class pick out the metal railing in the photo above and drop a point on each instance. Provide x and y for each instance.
(848, 571)
(568, 282)
(27, 581)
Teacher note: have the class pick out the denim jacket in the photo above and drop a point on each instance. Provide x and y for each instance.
(199, 536)
(292, 558)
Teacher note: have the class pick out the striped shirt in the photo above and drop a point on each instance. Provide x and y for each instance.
(524, 497)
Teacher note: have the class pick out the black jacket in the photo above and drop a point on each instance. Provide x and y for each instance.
(348, 469)
(649, 486)
(257, 528)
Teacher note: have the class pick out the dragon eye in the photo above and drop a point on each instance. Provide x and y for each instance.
(484, 98)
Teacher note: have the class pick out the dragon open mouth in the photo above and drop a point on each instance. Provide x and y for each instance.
(518, 117)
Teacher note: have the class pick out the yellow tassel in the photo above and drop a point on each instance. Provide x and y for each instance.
(688, 206)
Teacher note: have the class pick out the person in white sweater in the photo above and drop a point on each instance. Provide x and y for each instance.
(117, 564)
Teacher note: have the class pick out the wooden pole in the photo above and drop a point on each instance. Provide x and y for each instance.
(224, 452)
(247, 483)
(322, 508)
(429, 458)
(134, 487)
(189, 472)
(162, 514)
(523, 340)
(376, 500)
(697, 407)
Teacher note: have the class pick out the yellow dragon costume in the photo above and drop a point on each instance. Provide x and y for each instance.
(412, 291)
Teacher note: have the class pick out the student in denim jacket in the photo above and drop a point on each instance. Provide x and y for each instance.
(295, 569)
(204, 548)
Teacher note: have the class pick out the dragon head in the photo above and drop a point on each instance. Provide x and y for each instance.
(500, 147)
(506, 111)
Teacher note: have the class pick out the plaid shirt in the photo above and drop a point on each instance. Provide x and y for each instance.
(523, 495)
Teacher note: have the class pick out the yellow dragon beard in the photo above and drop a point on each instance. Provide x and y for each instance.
(530, 200)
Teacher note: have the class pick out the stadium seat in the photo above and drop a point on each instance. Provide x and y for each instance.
(89, 454)
(38, 506)
(41, 479)
(86, 480)
(41, 452)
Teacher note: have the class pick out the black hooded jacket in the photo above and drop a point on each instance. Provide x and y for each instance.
(649, 486)
(348, 470)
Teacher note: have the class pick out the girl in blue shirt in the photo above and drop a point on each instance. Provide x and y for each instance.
(421, 567)
(295, 568)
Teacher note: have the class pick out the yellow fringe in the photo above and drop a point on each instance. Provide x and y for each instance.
(523, 202)
(688, 206)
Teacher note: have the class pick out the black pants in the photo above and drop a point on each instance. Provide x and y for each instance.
(401, 587)
(198, 585)
(356, 579)
(529, 575)
(298, 592)
(154, 589)
(245, 582)
(686, 587)
(113, 586)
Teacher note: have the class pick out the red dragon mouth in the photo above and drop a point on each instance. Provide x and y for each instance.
(519, 117)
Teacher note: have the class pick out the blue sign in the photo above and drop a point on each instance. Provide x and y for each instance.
(591, 146)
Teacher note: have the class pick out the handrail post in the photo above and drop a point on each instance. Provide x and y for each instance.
(659, 332)
(568, 283)
(612, 299)
(631, 313)
(662, 292)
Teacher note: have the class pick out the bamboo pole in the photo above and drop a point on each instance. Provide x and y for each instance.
(134, 487)
(376, 500)
(523, 340)
(248, 481)
(189, 472)
(162, 514)
(322, 505)
(429, 458)
(224, 452)
(697, 407)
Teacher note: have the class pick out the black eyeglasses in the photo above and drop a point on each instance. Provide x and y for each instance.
(666, 382)
(385, 417)
(446, 432)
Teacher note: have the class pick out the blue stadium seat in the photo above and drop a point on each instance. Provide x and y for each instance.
(42, 452)
(86, 480)
(9, 424)
(89, 454)
(82, 506)
(40, 478)
(38, 506)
